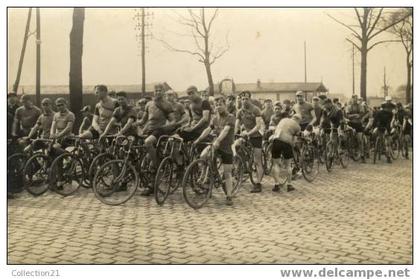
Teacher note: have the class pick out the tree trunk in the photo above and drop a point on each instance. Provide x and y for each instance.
(76, 52)
(363, 70)
(209, 78)
(408, 86)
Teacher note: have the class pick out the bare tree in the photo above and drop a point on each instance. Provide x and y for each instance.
(404, 32)
(364, 36)
(200, 26)
(76, 52)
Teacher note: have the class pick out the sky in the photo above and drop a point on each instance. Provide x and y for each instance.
(265, 44)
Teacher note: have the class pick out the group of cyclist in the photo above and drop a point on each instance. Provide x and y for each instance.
(201, 118)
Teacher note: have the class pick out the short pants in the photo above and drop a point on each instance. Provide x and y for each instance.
(281, 148)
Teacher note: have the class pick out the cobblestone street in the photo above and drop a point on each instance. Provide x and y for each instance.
(361, 215)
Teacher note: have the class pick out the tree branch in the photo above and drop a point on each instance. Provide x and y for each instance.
(217, 56)
(172, 48)
(345, 25)
(358, 16)
(387, 27)
(375, 22)
(382, 42)
(353, 43)
(212, 19)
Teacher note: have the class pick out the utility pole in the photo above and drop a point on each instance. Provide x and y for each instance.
(140, 18)
(38, 59)
(22, 53)
(353, 68)
(304, 49)
(385, 87)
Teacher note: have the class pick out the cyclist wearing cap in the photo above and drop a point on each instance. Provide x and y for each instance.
(223, 125)
(200, 115)
(62, 125)
(306, 111)
(123, 116)
(355, 113)
(25, 117)
(249, 116)
(283, 142)
(102, 114)
(87, 119)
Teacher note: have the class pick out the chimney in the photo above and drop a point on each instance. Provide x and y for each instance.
(258, 83)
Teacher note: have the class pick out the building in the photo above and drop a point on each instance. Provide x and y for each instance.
(276, 91)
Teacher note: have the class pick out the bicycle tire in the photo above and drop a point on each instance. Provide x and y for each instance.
(164, 180)
(122, 171)
(237, 175)
(308, 153)
(99, 160)
(329, 156)
(15, 165)
(72, 169)
(38, 162)
(191, 181)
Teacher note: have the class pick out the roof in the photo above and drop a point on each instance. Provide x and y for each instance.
(280, 87)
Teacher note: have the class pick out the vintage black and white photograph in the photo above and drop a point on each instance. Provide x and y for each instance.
(204, 135)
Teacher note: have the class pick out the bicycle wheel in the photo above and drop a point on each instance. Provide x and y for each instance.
(394, 147)
(15, 165)
(165, 178)
(378, 150)
(353, 147)
(197, 183)
(96, 163)
(115, 182)
(344, 158)
(309, 163)
(329, 156)
(267, 160)
(237, 175)
(66, 174)
(35, 174)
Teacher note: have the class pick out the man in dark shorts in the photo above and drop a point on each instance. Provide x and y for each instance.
(25, 117)
(124, 116)
(200, 115)
(223, 125)
(283, 142)
(102, 114)
(249, 116)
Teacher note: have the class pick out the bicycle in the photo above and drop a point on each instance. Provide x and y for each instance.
(246, 153)
(266, 153)
(382, 145)
(117, 180)
(353, 144)
(170, 172)
(336, 151)
(307, 158)
(36, 169)
(67, 172)
(202, 175)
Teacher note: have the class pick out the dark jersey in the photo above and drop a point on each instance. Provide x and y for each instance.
(382, 119)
